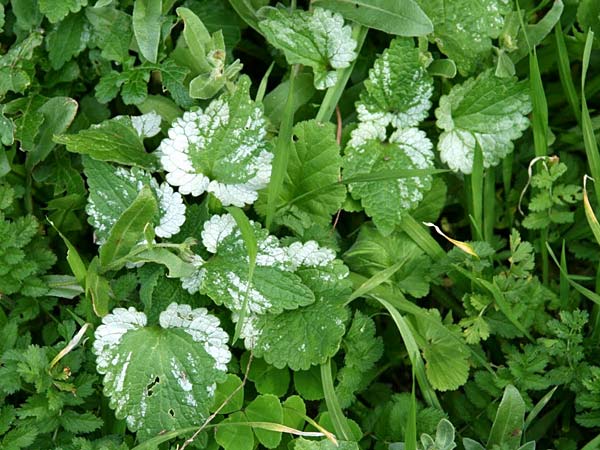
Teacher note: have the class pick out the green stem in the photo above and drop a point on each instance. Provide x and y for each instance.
(489, 205)
(476, 191)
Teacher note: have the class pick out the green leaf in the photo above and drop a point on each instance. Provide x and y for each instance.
(228, 154)
(325, 444)
(446, 364)
(56, 10)
(266, 378)
(66, 40)
(114, 189)
(362, 350)
(464, 29)
(266, 408)
(58, 114)
(161, 377)
(224, 390)
(80, 423)
(588, 16)
(111, 32)
(196, 36)
(508, 424)
(308, 335)
(372, 253)
(233, 437)
(147, 22)
(97, 289)
(274, 287)
(487, 111)
(313, 166)
(112, 140)
(387, 202)
(129, 228)
(318, 39)
(403, 18)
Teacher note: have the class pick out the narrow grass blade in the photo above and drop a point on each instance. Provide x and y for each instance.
(594, 444)
(564, 281)
(564, 71)
(540, 107)
(419, 234)
(246, 11)
(411, 421)
(252, 248)
(590, 295)
(262, 87)
(476, 185)
(414, 354)
(489, 204)
(282, 152)
(589, 138)
(537, 409)
(340, 423)
(589, 211)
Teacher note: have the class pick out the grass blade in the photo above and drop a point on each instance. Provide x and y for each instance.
(476, 185)
(340, 423)
(282, 152)
(564, 72)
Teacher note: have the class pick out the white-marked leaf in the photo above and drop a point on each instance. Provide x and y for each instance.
(318, 39)
(113, 189)
(274, 286)
(161, 377)
(311, 334)
(397, 92)
(464, 29)
(119, 140)
(222, 149)
(487, 111)
(387, 201)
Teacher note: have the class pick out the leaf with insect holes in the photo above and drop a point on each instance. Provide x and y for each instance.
(388, 201)
(222, 149)
(317, 38)
(487, 111)
(113, 189)
(397, 92)
(161, 377)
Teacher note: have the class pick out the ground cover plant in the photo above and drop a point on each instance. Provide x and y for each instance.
(364, 224)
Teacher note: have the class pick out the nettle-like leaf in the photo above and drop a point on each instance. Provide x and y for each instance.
(464, 29)
(318, 39)
(311, 334)
(113, 189)
(224, 277)
(309, 194)
(387, 201)
(447, 363)
(222, 149)
(487, 111)
(161, 377)
(294, 311)
(397, 92)
(120, 140)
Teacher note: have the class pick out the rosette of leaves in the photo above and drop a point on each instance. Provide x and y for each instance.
(222, 149)
(164, 376)
(292, 307)
(114, 188)
(485, 111)
(317, 39)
